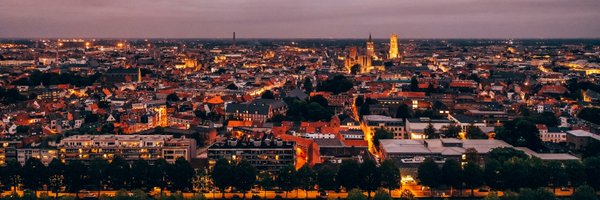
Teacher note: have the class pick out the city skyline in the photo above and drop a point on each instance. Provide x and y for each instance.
(306, 19)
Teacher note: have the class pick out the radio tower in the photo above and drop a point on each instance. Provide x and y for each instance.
(234, 40)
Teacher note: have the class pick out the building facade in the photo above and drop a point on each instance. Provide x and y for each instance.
(266, 155)
(129, 147)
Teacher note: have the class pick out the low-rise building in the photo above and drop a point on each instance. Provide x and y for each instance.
(266, 155)
(579, 139)
(129, 147)
(394, 125)
(416, 126)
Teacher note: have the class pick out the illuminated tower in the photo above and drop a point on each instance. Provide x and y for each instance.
(370, 47)
(394, 46)
(139, 75)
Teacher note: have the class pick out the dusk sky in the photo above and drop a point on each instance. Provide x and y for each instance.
(300, 18)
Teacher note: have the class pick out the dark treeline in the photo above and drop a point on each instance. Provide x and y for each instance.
(510, 169)
(348, 175)
(98, 174)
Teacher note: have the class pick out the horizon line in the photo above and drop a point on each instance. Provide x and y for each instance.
(298, 38)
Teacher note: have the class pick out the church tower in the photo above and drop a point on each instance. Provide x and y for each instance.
(370, 47)
(394, 46)
(139, 74)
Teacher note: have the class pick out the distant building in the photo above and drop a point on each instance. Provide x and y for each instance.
(256, 111)
(579, 139)
(266, 155)
(119, 75)
(411, 153)
(416, 126)
(394, 125)
(129, 147)
(44, 154)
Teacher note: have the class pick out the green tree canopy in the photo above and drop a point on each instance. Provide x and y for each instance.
(584, 192)
(267, 94)
(429, 173)
(347, 176)
(390, 175)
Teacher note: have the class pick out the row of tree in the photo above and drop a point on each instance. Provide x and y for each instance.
(507, 169)
(581, 193)
(349, 175)
(98, 174)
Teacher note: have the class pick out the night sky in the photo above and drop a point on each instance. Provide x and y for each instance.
(300, 18)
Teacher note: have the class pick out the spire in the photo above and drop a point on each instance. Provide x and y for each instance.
(369, 37)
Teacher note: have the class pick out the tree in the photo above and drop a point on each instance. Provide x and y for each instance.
(451, 131)
(403, 111)
(139, 173)
(356, 194)
(575, 172)
(538, 194)
(592, 169)
(34, 174)
(359, 100)
(320, 100)
(590, 114)
(244, 176)
(364, 109)
(266, 182)
(381, 134)
(556, 174)
(347, 176)
(286, 179)
(429, 173)
(452, 174)
(326, 177)
(355, 69)
(515, 173)
(118, 172)
(158, 175)
(56, 172)
(172, 97)
(336, 85)
(520, 132)
(472, 176)
(97, 173)
(430, 132)
(267, 94)
(503, 154)
(369, 176)
(584, 192)
(75, 176)
(474, 132)
(491, 173)
(490, 196)
(221, 175)
(390, 175)
(306, 177)
(11, 174)
(308, 86)
(182, 174)
(382, 195)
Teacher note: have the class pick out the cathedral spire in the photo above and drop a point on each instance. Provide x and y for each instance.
(369, 37)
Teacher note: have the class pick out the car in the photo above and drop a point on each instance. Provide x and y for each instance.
(323, 194)
(484, 189)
